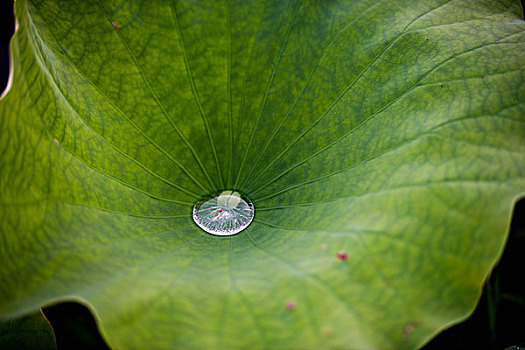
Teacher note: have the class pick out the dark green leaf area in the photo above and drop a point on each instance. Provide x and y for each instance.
(30, 332)
(381, 144)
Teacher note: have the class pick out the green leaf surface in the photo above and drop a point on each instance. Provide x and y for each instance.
(31, 332)
(391, 131)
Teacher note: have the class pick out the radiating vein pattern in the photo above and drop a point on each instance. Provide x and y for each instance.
(381, 142)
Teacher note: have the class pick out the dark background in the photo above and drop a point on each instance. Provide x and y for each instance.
(497, 323)
(7, 25)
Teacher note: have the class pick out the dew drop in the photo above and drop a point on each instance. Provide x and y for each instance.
(224, 214)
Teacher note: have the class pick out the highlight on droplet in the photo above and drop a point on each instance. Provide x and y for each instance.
(224, 214)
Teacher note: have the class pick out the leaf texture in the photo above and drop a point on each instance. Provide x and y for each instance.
(389, 131)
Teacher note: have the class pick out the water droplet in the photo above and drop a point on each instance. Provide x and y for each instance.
(224, 214)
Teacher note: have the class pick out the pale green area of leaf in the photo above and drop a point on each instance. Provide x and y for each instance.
(30, 332)
(393, 131)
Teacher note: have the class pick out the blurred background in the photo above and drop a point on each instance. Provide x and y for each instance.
(497, 323)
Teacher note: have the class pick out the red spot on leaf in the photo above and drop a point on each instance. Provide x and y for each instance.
(290, 305)
(342, 256)
(442, 86)
(56, 142)
(115, 25)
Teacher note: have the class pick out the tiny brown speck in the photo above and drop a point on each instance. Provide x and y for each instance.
(327, 331)
(407, 331)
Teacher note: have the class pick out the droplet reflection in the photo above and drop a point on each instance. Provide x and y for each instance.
(225, 214)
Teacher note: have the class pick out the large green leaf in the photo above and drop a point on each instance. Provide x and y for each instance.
(392, 131)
